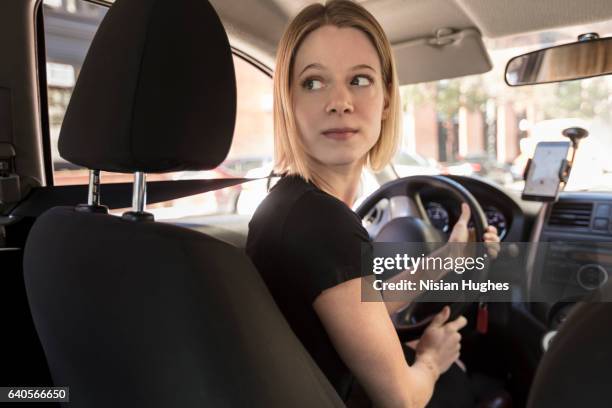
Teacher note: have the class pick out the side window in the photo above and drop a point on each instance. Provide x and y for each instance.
(69, 29)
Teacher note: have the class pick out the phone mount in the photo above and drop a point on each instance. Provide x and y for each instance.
(575, 135)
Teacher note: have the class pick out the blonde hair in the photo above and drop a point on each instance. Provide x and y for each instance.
(289, 153)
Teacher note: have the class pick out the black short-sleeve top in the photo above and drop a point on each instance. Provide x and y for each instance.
(303, 241)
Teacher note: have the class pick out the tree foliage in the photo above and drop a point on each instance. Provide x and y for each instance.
(587, 99)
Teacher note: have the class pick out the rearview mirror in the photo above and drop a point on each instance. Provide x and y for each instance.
(586, 58)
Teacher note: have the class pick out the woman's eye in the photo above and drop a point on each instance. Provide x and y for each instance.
(312, 84)
(361, 80)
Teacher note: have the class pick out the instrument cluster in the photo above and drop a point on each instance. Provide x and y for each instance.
(441, 217)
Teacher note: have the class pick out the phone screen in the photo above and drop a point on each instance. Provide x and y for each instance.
(543, 177)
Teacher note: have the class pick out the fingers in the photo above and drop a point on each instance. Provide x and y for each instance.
(490, 234)
(413, 344)
(457, 324)
(441, 318)
(465, 214)
(459, 232)
(492, 240)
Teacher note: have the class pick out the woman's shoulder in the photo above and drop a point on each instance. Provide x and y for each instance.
(309, 232)
(303, 199)
(301, 207)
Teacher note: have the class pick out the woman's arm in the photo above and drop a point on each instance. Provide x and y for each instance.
(365, 339)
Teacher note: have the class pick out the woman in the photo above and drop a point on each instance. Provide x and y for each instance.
(336, 110)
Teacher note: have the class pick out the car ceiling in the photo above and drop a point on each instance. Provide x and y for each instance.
(255, 26)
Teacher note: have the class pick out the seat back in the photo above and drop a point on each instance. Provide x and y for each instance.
(149, 314)
(575, 370)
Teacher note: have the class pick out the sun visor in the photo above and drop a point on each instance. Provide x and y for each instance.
(447, 55)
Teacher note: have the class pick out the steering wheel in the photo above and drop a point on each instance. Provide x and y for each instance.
(413, 225)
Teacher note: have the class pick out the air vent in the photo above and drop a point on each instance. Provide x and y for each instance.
(568, 214)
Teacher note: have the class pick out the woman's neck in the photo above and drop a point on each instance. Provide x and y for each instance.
(341, 181)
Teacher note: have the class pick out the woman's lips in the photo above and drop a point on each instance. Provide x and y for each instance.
(339, 134)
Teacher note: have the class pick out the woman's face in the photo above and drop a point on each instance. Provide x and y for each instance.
(338, 95)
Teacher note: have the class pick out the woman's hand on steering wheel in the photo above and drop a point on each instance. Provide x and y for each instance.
(461, 232)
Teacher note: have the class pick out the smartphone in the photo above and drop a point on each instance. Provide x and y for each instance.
(544, 173)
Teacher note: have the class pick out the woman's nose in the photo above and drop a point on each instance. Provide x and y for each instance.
(340, 101)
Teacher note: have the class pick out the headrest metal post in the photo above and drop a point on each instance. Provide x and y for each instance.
(139, 193)
(139, 200)
(93, 194)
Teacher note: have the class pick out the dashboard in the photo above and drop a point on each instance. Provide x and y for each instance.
(501, 209)
(512, 217)
(439, 216)
(577, 234)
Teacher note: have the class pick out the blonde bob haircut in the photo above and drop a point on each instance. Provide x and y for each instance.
(290, 157)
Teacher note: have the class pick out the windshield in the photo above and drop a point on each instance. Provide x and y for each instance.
(479, 126)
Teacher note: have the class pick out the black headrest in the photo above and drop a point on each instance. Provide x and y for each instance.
(157, 91)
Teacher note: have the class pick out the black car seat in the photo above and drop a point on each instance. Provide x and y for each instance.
(135, 313)
(576, 369)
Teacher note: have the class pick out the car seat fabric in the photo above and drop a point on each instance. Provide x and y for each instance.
(575, 370)
(149, 314)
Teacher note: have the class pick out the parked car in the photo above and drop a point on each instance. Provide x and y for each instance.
(412, 164)
(254, 192)
(226, 199)
(482, 165)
